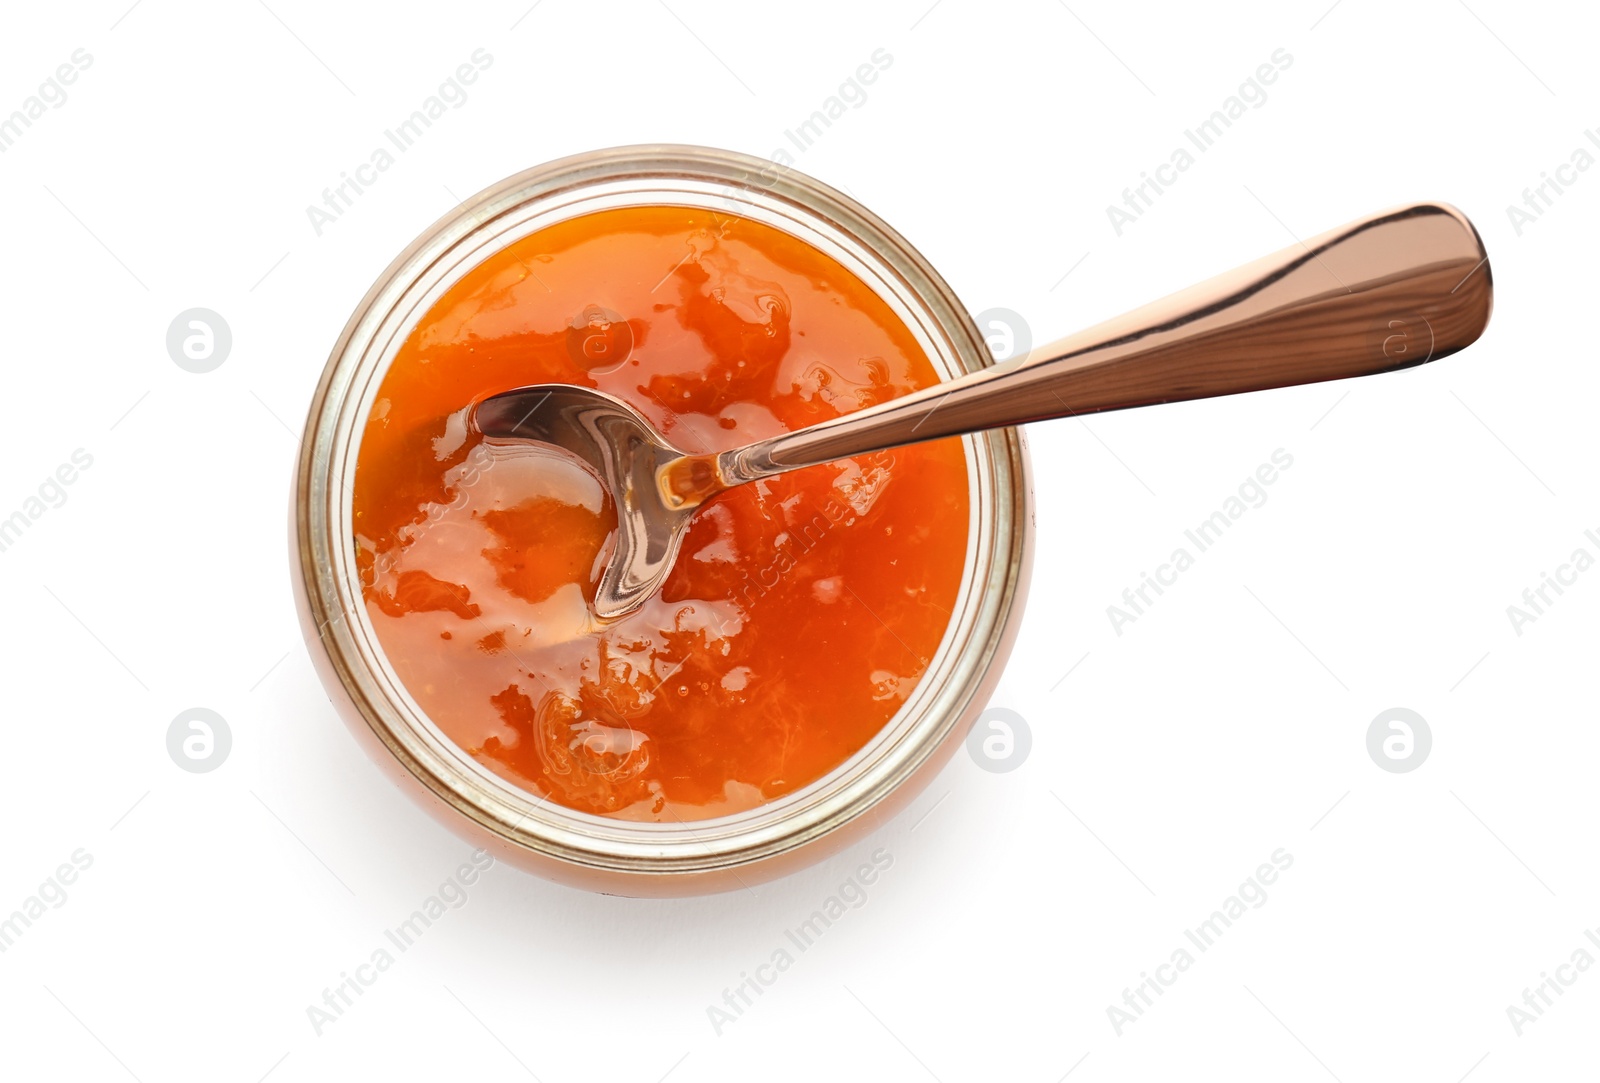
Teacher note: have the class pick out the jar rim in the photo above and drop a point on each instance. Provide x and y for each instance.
(947, 696)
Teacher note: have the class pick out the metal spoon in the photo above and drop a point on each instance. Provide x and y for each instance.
(1389, 291)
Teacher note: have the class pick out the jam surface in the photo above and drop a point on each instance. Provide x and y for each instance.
(802, 610)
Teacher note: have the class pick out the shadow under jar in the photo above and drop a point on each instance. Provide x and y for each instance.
(569, 769)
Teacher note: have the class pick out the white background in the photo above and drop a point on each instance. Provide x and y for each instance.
(1227, 722)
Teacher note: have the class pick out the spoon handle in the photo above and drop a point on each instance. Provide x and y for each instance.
(1386, 292)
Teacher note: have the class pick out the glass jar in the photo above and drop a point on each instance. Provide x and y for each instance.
(517, 826)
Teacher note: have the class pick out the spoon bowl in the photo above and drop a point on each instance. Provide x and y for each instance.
(627, 453)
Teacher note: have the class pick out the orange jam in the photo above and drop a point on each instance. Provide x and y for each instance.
(802, 610)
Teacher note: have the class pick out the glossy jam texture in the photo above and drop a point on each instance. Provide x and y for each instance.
(801, 612)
